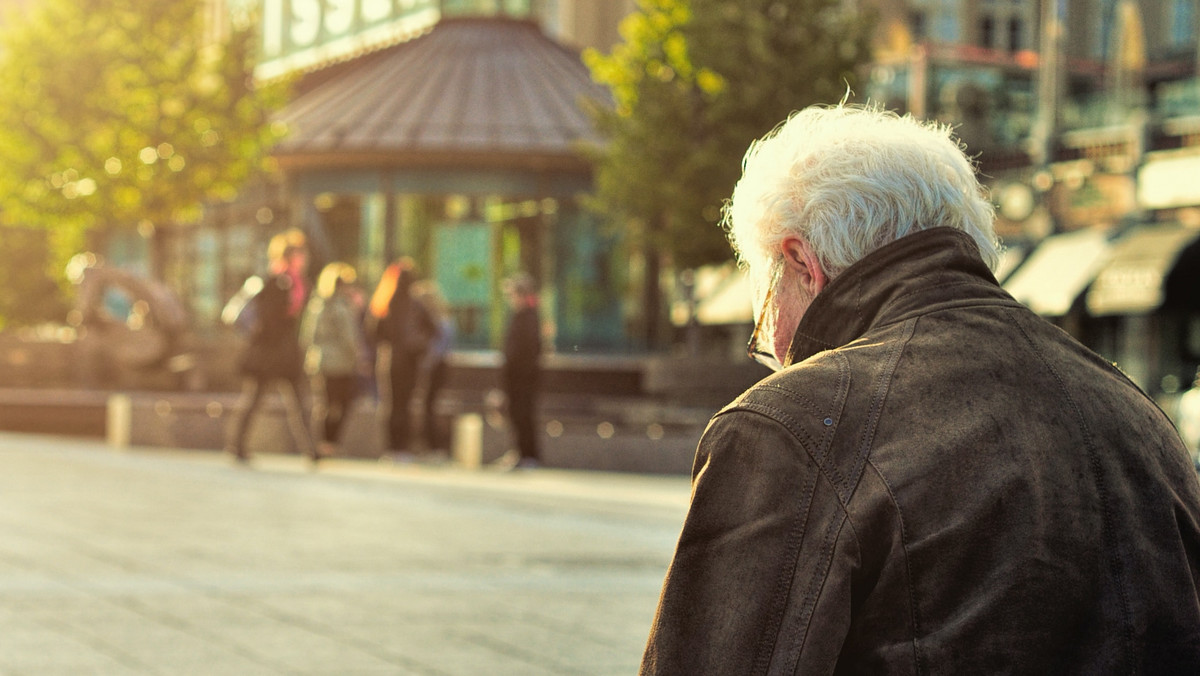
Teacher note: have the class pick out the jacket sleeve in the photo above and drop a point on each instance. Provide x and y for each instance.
(760, 579)
(308, 324)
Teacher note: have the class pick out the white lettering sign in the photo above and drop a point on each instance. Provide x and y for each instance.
(300, 33)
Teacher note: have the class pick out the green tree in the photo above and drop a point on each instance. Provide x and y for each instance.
(124, 114)
(693, 83)
(27, 299)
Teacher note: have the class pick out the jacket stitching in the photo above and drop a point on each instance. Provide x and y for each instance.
(924, 290)
(816, 583)
(787, 575)
(882, 387)
(792, 393)
(949, 306)
(823, 445)
(1105, 508)
(825, 345)
(914, 614)
(797, 430)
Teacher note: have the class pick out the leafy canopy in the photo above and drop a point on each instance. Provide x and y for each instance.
(693, 83)
(27, 299)
(125, 114)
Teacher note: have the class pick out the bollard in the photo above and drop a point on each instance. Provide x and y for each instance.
(119, 420)
(467, 445)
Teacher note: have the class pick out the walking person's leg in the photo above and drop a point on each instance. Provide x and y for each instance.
(295, 401)
(247, 405)
(522, 409)
(403, 380)
(431, 429)
(322, 410)
(340, 392)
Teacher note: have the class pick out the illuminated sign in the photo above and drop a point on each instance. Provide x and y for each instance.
(301, 33)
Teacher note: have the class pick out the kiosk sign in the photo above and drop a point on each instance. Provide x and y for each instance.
(297, 34)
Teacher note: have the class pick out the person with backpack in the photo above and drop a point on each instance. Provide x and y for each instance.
(407, 328)
(272, 356)
(434, 368)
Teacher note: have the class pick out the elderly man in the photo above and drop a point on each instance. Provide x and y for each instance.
(937, 481)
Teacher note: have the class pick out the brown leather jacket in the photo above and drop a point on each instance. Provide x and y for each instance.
(941, 483)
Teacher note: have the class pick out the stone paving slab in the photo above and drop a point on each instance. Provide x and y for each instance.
(153, 561)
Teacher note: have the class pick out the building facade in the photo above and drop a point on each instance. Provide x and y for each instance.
(1083, 116)
(450, 132)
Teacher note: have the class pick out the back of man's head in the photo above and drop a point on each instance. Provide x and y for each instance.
(850, 179)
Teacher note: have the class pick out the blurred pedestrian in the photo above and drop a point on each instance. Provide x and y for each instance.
(937, 480)
(273, 355)
(406, 327)
(366, 377)
(335, 356)
(520, 374)
(433, 367)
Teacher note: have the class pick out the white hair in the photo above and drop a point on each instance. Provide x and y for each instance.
(850, 179)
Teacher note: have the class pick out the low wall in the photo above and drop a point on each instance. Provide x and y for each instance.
(609, 436)
(639, 414)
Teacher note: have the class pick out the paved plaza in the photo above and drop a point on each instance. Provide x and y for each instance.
(154, 561)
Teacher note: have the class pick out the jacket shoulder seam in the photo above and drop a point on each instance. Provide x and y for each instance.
(787, 422)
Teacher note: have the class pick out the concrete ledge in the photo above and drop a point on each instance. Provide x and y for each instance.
(70, 412)
(622, 435)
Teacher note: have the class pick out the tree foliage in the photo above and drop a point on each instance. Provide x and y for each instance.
(693, 83)
(27, 299)
(123, 114)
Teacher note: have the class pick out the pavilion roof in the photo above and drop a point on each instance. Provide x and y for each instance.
(488, 92)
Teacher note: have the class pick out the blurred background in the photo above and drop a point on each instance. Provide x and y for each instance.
(149, 149)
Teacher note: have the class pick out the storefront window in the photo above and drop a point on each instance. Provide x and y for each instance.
(589, 263)
(241, 256)
(205, 290)
(467, 244)
(463, 269)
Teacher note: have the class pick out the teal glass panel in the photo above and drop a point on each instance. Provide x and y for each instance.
(463, 269)
(588, 266)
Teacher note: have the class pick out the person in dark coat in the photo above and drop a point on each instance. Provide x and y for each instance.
(403, 324)
(273, 355)
(434, 367)
(520, 374)
(936, 480)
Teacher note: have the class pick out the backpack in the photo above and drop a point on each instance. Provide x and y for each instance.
(417, 330)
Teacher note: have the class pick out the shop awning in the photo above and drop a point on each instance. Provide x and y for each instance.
(1133, 280)
(1058, 270)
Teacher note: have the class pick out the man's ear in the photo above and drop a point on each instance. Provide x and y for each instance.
(799, 256)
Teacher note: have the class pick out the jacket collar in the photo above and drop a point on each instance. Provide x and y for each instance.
(912, 275)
